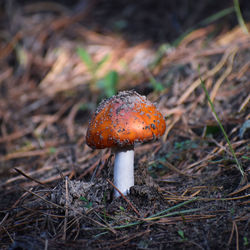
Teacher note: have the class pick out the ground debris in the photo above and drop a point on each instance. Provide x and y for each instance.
(81, 196)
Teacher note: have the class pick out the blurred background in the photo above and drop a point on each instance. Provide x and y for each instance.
(59, 59)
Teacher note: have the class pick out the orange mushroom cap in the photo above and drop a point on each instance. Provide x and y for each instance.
(124, 119)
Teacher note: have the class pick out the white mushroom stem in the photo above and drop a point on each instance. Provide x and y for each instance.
(124, 170)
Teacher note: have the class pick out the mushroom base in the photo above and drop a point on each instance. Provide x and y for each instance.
(124, 170)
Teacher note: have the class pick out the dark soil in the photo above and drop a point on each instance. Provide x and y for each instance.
(189, 193)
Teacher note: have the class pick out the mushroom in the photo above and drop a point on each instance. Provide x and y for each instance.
(118, 123)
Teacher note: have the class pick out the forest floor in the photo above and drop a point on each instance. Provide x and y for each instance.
(57, 63)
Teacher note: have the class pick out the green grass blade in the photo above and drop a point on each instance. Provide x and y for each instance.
(86, 58)
(162, 214)
(173, 213)
(217, 16)
(172, 208)
(102, 61)
(222, 129)
(158, 217)
(239, 16)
